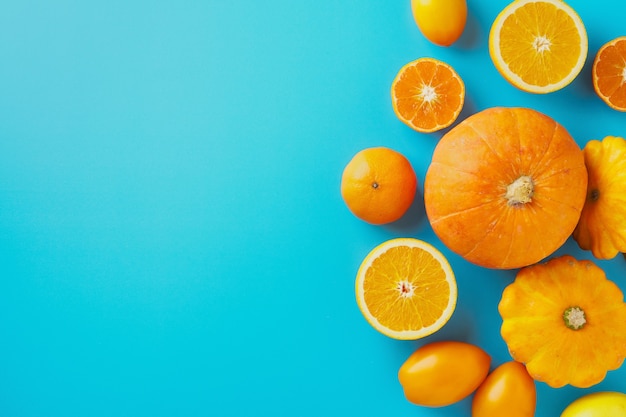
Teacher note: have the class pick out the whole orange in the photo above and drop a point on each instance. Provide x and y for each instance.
(378, 185)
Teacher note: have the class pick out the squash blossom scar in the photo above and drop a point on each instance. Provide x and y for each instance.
(574, 318)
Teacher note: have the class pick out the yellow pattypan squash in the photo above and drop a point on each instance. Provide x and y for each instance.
(566, 321)
(602, 224)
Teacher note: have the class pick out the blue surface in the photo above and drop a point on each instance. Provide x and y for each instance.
(172, 237)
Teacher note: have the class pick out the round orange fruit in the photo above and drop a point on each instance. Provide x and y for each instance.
(609, 73)
(539, 46)
(378, 185)
(427, 95)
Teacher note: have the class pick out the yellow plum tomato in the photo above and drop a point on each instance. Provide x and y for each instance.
(508, 391)
(441, 21)
(597, 404)
(442, 373)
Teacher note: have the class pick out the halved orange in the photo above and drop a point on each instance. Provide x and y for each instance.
(406, 289)
(539, 46)
(609, 73)
(427, 95)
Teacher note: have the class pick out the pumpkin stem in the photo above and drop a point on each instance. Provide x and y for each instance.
(520, 191)
(574, 318)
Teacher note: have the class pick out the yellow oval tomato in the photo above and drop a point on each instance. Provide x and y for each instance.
(442, 373)
(598, 404)
(441, 21)
(508, 391)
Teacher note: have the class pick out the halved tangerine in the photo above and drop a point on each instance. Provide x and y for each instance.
(609, 73)
(539, 46)
(427, 95)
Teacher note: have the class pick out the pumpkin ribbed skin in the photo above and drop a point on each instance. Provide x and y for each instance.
(558, 347)
(505, 187)
(602, 224)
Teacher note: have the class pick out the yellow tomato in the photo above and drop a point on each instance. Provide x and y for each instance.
(508, 391)
(441, 21)
(598, 404)
(442, 373)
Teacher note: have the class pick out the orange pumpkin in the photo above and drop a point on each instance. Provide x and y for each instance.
(602, 224)
(505, 187)
(566, 321)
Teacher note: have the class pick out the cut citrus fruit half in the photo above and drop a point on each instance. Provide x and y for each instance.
(539, 46)
(406, 289)
(427, 95)
(609, 73)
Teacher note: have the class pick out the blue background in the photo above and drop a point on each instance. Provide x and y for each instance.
(172, 237)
